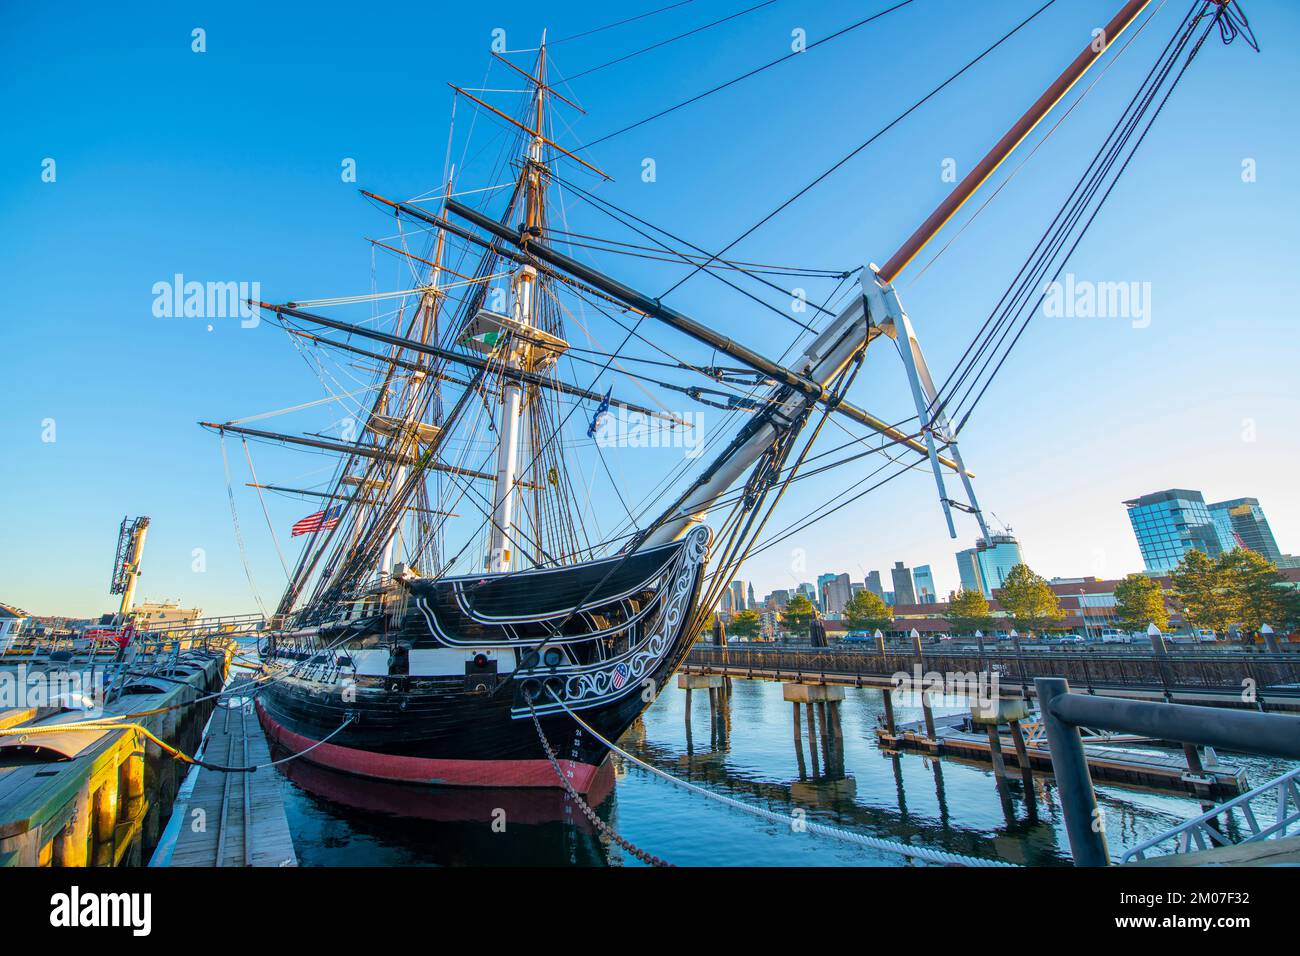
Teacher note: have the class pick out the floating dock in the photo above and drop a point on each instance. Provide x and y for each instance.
(97, 796)
(1106, 761)
(231, 819)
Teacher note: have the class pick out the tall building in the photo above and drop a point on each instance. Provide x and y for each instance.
(1242, 522)
(752, 605)
(822, 581)
(904, 592)
(985, 566)
(836, 593)
(738, 596)
(874, 585)
(924, 581)
(808, 591)
(1170, 523)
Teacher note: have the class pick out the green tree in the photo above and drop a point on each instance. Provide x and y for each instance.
(1259, 591)
(798, 612)
(1140, 601)
(744, 624)
(1028, 600)
(1205, 593)
(867, 612)
(968, 612)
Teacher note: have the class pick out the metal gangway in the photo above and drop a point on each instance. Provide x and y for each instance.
(1205, 833)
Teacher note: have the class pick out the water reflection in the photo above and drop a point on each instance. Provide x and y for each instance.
(449, 826)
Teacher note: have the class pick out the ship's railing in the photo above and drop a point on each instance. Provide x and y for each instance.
(1205, 832)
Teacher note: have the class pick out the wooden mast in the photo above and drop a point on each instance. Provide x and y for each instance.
(524, 284)
(1011, 139)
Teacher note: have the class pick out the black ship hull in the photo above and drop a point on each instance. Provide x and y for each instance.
(444, 691)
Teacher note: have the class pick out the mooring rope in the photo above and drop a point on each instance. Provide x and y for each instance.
(876, 843)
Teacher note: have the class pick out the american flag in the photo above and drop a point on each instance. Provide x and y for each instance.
(321, 519)
(620, 676)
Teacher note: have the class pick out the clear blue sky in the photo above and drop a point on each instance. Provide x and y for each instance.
(225, 166)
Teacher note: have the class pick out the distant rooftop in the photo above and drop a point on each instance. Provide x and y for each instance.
(1170, 494)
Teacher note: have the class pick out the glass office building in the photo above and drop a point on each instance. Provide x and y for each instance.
(924, 581)
(985, 566)
(1242, 522)
(1170, 523)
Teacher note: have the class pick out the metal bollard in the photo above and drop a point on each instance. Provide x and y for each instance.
(1083, 822)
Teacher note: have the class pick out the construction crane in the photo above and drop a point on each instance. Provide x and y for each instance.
(126, 565)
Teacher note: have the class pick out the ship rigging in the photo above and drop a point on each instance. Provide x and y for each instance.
(468, 582)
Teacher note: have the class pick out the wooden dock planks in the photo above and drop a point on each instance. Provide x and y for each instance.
(235, 819)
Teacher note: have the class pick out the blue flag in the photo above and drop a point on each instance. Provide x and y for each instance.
(601, 410)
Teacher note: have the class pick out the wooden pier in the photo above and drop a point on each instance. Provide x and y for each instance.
(97, 796)
(231, 819)
(1213, 679)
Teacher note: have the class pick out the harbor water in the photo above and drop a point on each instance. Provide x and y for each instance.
(750, 755)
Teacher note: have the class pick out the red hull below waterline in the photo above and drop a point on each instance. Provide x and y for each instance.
(429, 770)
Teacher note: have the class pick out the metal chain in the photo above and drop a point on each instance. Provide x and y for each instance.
(585, 807)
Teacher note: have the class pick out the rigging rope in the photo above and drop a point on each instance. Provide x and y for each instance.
(234, 519)
(744, 76)
(871, 139)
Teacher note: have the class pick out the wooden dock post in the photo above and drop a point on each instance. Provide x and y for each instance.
(928, 712)
(798, 742)
(887, 695)
(1022, 758)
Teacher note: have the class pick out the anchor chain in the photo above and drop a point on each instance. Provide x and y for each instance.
(585, 807)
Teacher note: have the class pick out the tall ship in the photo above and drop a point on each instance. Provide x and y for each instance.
(464, 591)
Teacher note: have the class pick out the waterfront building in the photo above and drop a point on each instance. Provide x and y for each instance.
(1170, 523)
(874, 584)
(11, 624)
(985, 566)
(1088, 603)
(923, 578)
(904, 591)
(155, 615)
(1242, 522)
